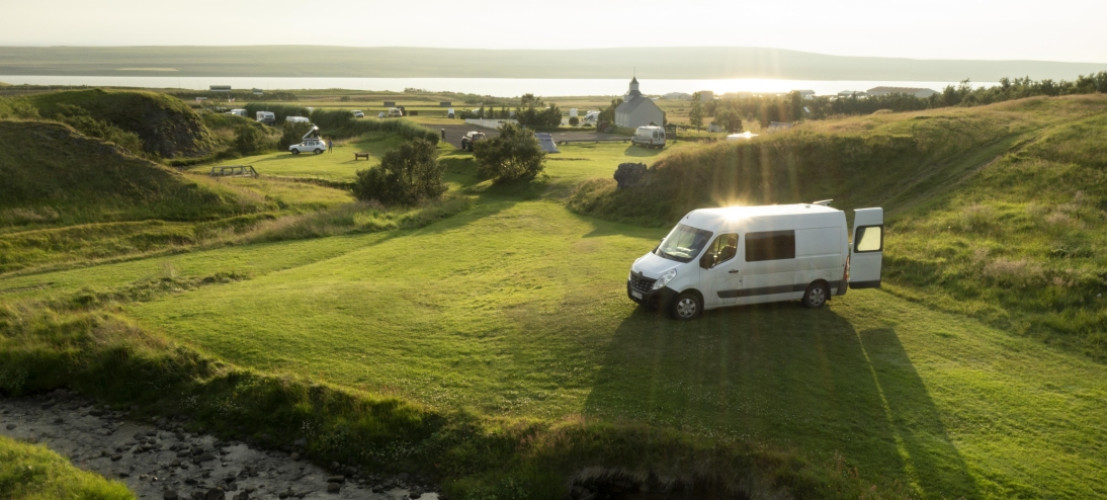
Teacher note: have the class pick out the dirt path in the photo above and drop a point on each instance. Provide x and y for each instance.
(164, 462)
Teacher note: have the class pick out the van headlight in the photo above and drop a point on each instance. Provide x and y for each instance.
(664, 279)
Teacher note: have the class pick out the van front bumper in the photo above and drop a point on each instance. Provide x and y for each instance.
(652, 299)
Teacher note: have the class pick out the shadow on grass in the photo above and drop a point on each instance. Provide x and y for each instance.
(641, 152)
(789, 378)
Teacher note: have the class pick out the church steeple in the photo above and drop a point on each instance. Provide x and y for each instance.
(633, 92)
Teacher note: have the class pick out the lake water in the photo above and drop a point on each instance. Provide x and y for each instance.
(499, 87)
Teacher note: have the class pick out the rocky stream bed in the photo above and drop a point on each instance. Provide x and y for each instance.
(164, 461)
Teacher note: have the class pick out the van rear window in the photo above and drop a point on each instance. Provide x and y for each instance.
(770, 245)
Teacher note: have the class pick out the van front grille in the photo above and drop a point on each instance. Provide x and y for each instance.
(640, 283)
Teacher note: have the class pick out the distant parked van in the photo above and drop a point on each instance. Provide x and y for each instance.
(395, 113)
(297, 119)
(649, 136)
(717, 257)
(267, 117)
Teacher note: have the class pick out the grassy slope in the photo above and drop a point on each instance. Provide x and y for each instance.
(457, 315)
(166, 127)
(67, 198)
(55, 169)
(999, 210)
(30, 472)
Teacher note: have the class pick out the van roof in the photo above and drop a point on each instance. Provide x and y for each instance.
(733, 216)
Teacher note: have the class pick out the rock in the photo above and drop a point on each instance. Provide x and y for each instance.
(629, 174)
(170, 495)
(334, 487)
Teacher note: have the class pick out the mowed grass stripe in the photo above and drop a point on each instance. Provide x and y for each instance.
(458, 304)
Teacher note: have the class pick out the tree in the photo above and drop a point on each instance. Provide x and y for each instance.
(514, 155)
(530, 113)
(606, 119)
(407, 175)
(728, 119)
(695, 116)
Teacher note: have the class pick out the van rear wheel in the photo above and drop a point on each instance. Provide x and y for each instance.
(686, 306)
(816, 295)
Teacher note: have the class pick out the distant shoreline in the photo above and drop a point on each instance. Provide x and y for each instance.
(697, 63)
(498, 87)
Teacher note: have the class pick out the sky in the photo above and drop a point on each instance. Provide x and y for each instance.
(1056, 30)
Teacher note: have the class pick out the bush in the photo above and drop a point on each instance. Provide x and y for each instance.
(407, 175)
(250, 138)
(513, 156)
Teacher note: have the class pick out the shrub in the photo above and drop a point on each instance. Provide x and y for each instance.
(250, 138)
(407, 175)
(513, 156)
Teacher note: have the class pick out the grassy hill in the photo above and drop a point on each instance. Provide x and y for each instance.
(67, 198)
(996, 212)
(490, 347)
(52, 173)
(165, 127)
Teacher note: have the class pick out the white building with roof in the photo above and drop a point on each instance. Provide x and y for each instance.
(638, 110)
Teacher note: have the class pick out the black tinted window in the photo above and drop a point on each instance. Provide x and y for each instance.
(770, 245)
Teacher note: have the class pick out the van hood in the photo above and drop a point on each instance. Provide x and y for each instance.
(652, 265)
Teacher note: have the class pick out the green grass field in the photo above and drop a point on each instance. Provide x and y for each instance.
(516, 309)
(500, 312)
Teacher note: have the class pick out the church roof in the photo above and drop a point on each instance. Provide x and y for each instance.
(634, 103)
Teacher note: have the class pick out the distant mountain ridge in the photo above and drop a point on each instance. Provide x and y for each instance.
(401, 62)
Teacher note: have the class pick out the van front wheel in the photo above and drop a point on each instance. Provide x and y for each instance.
(816, 295)
(686, 306)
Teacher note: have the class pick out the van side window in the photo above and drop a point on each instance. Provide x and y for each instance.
(869, 239)
(770, 245)
(724, 248)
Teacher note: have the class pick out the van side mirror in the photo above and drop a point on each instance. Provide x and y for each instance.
(708, 260)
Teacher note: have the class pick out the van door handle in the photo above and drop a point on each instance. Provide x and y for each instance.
(733, 271)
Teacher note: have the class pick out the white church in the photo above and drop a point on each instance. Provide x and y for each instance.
(637, 109)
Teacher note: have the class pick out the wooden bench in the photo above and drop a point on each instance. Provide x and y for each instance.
(361, 155)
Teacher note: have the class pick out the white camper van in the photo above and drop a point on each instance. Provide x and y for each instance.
(649, 136)
(717, 257)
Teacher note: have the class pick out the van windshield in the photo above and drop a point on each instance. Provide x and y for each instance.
(683, 243)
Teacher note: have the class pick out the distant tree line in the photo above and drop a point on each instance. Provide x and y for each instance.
(728, 113)
(529, 112)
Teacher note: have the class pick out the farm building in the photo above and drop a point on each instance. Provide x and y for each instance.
(637, 109)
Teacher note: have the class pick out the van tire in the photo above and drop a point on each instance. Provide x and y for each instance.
(686, 306)
(816, 295)
(295, 151)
